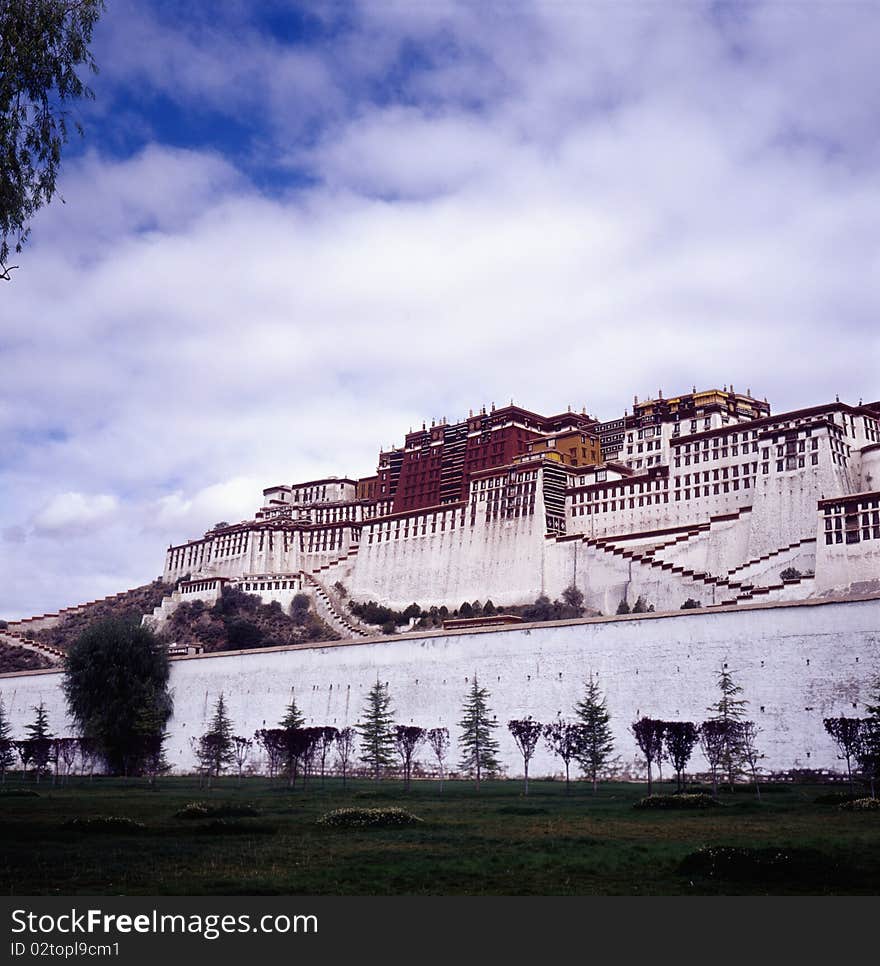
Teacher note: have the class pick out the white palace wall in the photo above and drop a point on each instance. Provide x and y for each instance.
(797, 664)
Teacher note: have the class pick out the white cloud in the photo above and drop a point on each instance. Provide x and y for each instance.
(73, 513)
(614, 206)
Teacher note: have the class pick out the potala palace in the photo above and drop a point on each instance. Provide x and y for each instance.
(770, 522)
(704, 496)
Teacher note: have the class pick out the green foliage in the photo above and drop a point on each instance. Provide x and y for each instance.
(116, 685)
(594, 742)
(761, 865)
(640, 606)
(43, 43)
(623, 607)
(39, 740)
(690, 604)
(790, 573)
(299, 608)
(730, 710)
(373, 613)
(376, 730)
(478, 745)
(574, 599)
(368, 818)
(244, 635)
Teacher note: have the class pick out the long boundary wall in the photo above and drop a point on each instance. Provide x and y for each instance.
(797, 663)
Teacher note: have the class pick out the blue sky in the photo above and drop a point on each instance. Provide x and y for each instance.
(294, 230)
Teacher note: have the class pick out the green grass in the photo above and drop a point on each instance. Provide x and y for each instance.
(494, 842)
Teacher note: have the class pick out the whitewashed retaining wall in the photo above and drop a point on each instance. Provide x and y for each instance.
(797, 664)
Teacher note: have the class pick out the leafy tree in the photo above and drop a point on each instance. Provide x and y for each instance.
(243, 635)
(479, 747)
(526, 734)
(466, 610)
(438, 739)
(43, 43)
(648, 733)
(377, 737)
(274, 744)
(680, 738)
(115, 682)
(640, 606)
(846, 733)
(623, 607)
(40, 740)
(731, 709)
(564, 740)
(595, 743)
(407, 739)
(489, 609)
(7, 745)
(344, 751)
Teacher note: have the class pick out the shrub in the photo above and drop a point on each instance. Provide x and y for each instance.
(690, 604)
(243, 635)
(861, 805)
(221, 810)
(686, 800)
(790, 573)
(834, 798)
(623, 607)
(368, 818)
(100, 824)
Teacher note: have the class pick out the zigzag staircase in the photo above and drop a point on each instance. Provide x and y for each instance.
(332, 613)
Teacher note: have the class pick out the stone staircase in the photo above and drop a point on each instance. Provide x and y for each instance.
(330, 612)
(15, 639)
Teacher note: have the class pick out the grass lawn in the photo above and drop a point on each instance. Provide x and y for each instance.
(494, 842)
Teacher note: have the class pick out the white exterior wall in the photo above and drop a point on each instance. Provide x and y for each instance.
(796, 663)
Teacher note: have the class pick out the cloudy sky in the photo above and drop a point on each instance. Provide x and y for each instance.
(291, 234)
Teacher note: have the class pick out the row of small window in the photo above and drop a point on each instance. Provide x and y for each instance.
(722, 452)
(642, 447)
(621, 504)
(872, 429)
(731, 439)
(272, 585)
(526, 510)
(853, 528)
(396, 533)
(716, 488)
(748, 469)
(604, 494)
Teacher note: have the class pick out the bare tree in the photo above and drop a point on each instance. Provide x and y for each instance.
(648, 733)
(326, 739)
(846, 733)
(748, 733)
(565, 740)
(241, 751)
(273, 743)
(407, 739)
(65, 753)
(438, 739)
(526, 734)
(714, 741)
(680, 738)
(345, 739)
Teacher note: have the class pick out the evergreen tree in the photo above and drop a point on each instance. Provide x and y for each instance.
(7, 746)
(293, 717)
(40, 739)
(215, 749)
(377, 730)
(730, 710)
(595, 743)
(479, 748)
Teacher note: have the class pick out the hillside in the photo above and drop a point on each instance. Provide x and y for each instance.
(239, 621)
(13, 658)
(128, 606)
